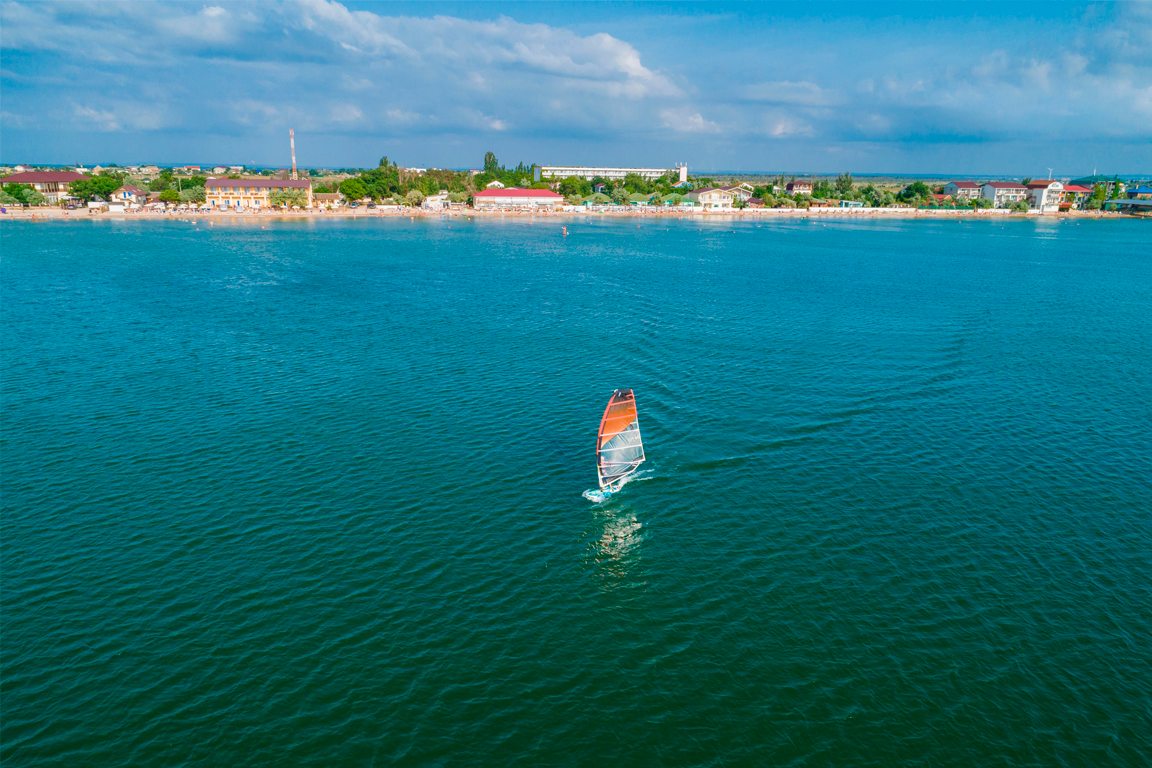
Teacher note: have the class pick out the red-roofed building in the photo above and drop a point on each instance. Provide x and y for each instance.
(962, 190)
(52, 184)
(130, 194)
(1074, 196)
(516, 197)
(242, 194)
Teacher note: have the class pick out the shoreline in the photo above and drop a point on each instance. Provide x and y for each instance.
(61, 214)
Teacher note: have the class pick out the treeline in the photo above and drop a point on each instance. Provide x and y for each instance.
(387, 182)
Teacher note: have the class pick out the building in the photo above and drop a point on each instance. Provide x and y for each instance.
(590, 172)
(328, 199)
(962, 190)
(1075, 196)
(131, 195)
(494, 184)
(516, 197)
(712, 198)
(241, 194)
(1045, 195)
(52, 184)
(437, 202)
(799, 187)
(1003, 193)
(1111, 184)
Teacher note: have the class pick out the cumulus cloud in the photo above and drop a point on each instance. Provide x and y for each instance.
(248, 70)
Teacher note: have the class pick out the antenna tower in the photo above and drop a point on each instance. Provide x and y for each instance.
(292, 144)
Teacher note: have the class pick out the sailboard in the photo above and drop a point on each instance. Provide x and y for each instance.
(619, 448)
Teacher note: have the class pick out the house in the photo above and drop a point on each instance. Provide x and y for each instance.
(799, 187)
(437, 202)
(1003, 193)
(962, 190)
(516, 197)
(328, 199)
(712, 198)
(597, 198)
(740, 192)
(639, 198)
(131, 195)
(494, 184)
(1143, 192)
(1074, 196)
(52, 184)
(241, 194)
(1045, 195)
(1111, 184)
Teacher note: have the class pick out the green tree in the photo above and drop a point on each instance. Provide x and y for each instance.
(491, 164)
(169, 196)
(94, 187)
(843, 185)
(354, 189)
(284, 198)
(413, 198)
(1020, 206)
(193, 195)
(619, 195)
(917, 191)
(18, 193)
(7, 199)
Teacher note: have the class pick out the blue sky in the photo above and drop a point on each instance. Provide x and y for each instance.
(1011, 88)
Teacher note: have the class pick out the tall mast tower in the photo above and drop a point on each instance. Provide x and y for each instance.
(292, 144)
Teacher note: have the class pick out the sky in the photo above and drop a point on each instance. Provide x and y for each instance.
(972, 88)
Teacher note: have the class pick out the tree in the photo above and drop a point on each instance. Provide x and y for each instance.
(288, 197)
(1020, 206)
(353, 189)
(169, 196)
(18, 193)
(843, 185)
(94, 187)
(619, 195)
(915, 192)
(491, 164)
(414, 197)
(821, 189)
(981, 203)
(7, 199)
(193, 195)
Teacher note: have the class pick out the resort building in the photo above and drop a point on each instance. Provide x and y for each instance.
(243, 194)
(130, 195)
(712, 198)
(1045, 195)
(799, 187)
(1003, 193)
(1074, 196)
(962, 190)
(516, 197)
(590, 172)
(52, 184)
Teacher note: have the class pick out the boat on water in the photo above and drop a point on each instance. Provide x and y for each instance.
(619, 448)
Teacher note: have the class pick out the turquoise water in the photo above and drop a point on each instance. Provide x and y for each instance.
(310, 494)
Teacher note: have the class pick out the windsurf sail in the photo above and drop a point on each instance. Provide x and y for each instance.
(619, 450)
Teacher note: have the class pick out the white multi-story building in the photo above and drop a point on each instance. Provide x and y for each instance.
(1003, 193)
(962, 190)
(1045, 195)
(590, 172)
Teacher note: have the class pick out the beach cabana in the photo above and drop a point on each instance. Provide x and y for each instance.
(598, 198)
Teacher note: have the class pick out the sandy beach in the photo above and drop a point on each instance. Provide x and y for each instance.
(61, 214)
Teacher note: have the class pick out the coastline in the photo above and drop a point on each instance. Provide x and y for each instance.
(760, 214)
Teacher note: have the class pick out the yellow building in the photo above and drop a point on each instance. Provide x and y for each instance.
(251, 194)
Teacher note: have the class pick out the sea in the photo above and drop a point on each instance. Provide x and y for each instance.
(309, 493)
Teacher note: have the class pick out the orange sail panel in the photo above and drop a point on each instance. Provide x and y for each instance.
(619, 450)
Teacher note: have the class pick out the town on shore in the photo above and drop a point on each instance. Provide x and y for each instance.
(533, 189)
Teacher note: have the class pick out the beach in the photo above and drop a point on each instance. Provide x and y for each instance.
(577, 213)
